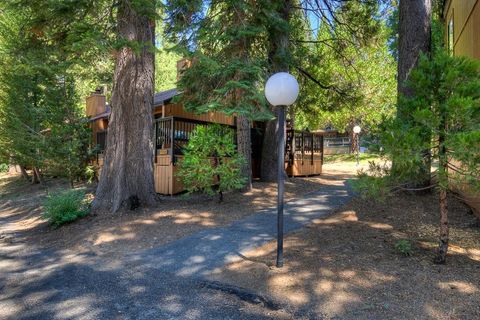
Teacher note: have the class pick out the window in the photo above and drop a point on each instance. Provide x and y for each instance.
(450, 38)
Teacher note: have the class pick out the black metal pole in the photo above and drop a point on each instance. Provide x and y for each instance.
(280, 179)
(358, 148)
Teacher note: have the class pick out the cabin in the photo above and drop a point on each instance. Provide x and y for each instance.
(173, 126)
(462, 38)
(462, 27)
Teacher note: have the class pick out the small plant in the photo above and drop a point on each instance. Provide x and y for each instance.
(3, 167)
(64, 207)
(404, 247)
(211, 163)
(90, 173)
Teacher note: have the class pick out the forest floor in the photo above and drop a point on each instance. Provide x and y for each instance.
(346, 266)
(117, 234)
(342, 266)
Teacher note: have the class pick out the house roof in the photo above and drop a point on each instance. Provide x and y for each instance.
(164, 96)
(102, 115)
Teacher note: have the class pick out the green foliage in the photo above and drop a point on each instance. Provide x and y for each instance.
(90, 173)
(372, 183)
(404, 247)
(165, 61)
(442, 116)
(43, 81)
(64, 207)
(225, 43)
(3, 167)
(211, 163)
(359, 79)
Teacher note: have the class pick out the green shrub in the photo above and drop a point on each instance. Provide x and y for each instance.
(404, 247)
(64, 207)
(3, 167)
(211, 163)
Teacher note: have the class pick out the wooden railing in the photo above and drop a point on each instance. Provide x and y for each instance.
(173, 133)
(303, 145)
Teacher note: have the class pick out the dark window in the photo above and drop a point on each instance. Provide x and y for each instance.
(102, 140)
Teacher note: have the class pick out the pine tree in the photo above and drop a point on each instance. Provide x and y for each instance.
(225, 45)
(42, 126)
(127, 176)
(414, 38)
(81, 33)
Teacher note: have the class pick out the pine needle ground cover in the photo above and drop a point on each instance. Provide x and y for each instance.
(349, 266)
(115, 235)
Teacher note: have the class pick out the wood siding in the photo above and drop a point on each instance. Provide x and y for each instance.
(305, 167)
(177, 110)
(465, 15)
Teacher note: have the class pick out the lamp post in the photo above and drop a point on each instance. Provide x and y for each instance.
(281, 90)
(357, 131)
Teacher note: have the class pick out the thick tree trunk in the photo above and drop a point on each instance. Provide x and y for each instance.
(414, 38)
(269, 150)
(244, 147)
(278, 56)
(127, 175)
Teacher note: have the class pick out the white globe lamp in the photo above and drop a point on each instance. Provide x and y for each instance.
(357, 131)
(281, 89)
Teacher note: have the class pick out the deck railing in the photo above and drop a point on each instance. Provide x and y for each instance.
(303, 145)
(173, 133)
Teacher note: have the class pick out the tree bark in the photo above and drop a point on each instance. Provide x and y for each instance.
(278, 58)
(36, 176)
(24, 173)
(127, 175)
(443, 183)
(441, 257)
(414, 38)
(244, 147)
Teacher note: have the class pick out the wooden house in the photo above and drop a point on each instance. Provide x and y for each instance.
(172, 130)
(462, 38)
(462, 27)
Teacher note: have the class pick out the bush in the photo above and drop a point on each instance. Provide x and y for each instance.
(211, 163)
(404, 247)
(3, 167)
(64, 207)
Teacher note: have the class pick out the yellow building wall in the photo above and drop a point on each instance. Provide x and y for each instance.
(466, 26)
(466, 35)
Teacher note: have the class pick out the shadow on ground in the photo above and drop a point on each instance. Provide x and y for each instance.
(346, 266)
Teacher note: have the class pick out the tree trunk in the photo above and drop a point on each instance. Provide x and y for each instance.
(127, 175)
(278, 58)
(36, 176)
(24, 173)
(244, 147)
(441, 257)
(443, 183)
(414, 38)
